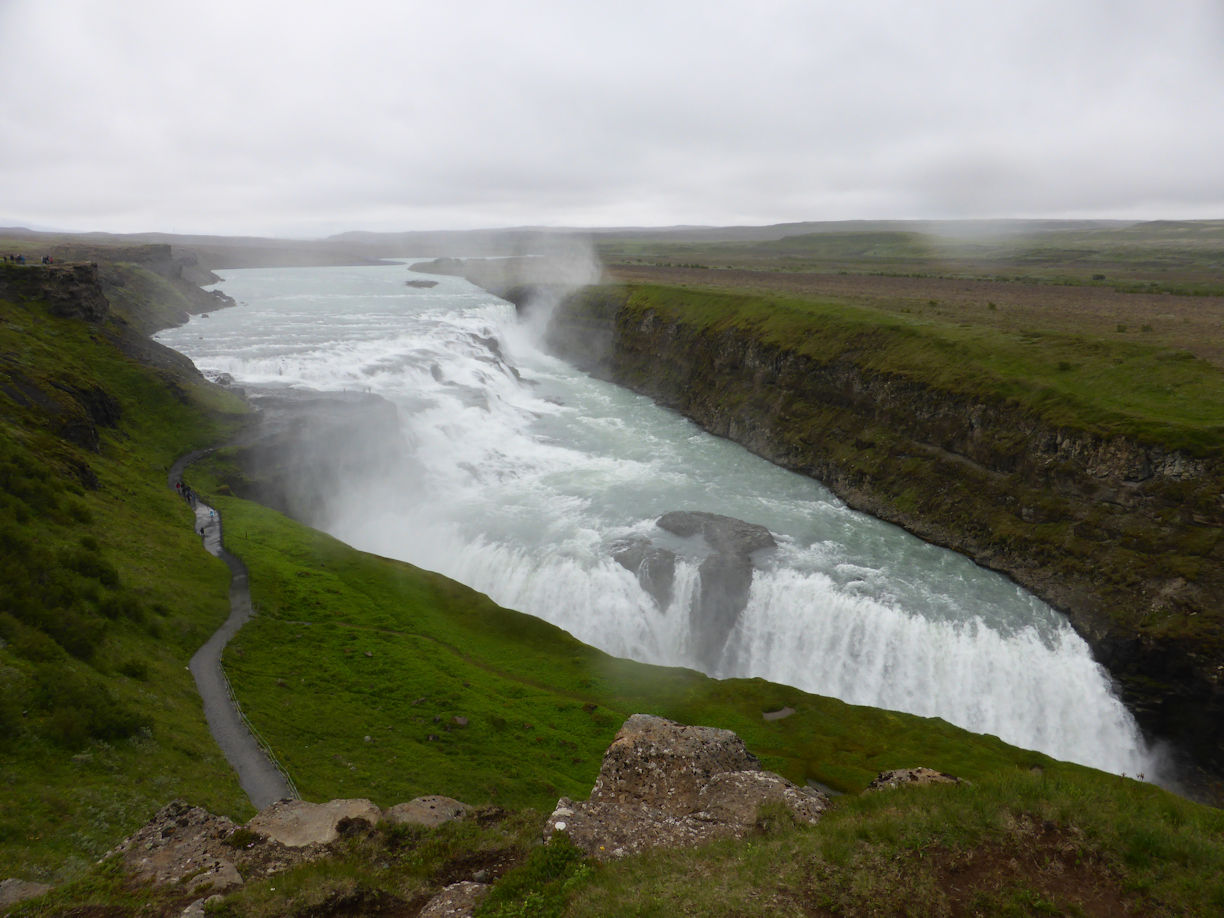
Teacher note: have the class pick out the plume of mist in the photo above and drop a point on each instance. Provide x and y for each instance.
(536, 273)
(568, 264)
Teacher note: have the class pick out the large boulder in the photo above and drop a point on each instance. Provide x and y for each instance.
(432, 810)
(664, 784)
(296, 823)
(725, 534)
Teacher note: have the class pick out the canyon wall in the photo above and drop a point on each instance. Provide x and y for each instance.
(1122, 536)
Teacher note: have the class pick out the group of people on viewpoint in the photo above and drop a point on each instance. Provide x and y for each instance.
(20, 259)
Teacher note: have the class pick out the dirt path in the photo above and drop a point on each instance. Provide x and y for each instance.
(258, 774)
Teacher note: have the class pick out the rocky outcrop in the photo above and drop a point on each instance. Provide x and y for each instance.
(70, 291)
(910, 777)
(654, 567)
(724, 534)
(1123, 536)
(458, 900)
(297, 823)
(663, 784)
(184, 843)
(725, 573)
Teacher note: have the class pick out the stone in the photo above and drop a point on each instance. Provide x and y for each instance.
(724, 534)
(905, 777)
(459, 900)
(432, 810)
(780, 714)
(198, 908)
(296, 823)
(664, 784)
(14, 890)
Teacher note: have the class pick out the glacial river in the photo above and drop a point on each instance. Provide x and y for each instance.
(520, 476)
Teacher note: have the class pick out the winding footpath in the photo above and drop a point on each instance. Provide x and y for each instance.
(260, 777)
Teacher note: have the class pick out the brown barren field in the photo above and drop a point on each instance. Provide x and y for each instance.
(1190, 323)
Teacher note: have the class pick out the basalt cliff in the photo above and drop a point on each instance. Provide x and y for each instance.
(1119, 534)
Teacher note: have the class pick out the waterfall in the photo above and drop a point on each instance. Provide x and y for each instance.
(521, 476)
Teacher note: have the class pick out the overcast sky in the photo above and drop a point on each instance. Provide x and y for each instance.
(304, 118)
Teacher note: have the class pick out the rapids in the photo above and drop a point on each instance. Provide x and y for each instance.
(520, 475)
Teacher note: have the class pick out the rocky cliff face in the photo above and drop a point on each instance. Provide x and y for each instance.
(69, 291)
(1121, 535)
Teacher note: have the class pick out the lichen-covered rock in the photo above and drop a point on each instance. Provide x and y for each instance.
(664, 784)
(459, 900)
(432, 810)
(905, 777)
(181, 843)
(296, 823)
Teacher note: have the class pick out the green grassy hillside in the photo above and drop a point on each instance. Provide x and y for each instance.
(106, 593)
(356, 668)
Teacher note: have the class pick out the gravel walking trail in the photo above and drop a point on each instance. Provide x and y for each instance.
(257, 773)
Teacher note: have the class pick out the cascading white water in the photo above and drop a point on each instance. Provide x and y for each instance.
(521, 475)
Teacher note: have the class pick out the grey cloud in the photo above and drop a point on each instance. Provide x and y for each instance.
(272, 117)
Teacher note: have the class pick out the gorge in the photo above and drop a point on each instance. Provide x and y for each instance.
(517, 475)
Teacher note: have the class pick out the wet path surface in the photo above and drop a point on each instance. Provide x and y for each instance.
(261, 779)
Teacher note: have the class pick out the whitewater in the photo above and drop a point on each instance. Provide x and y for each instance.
(520, 476)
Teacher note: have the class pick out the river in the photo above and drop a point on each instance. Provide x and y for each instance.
(521, 477)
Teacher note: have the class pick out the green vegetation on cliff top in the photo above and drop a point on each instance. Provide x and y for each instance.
(1108, 387)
